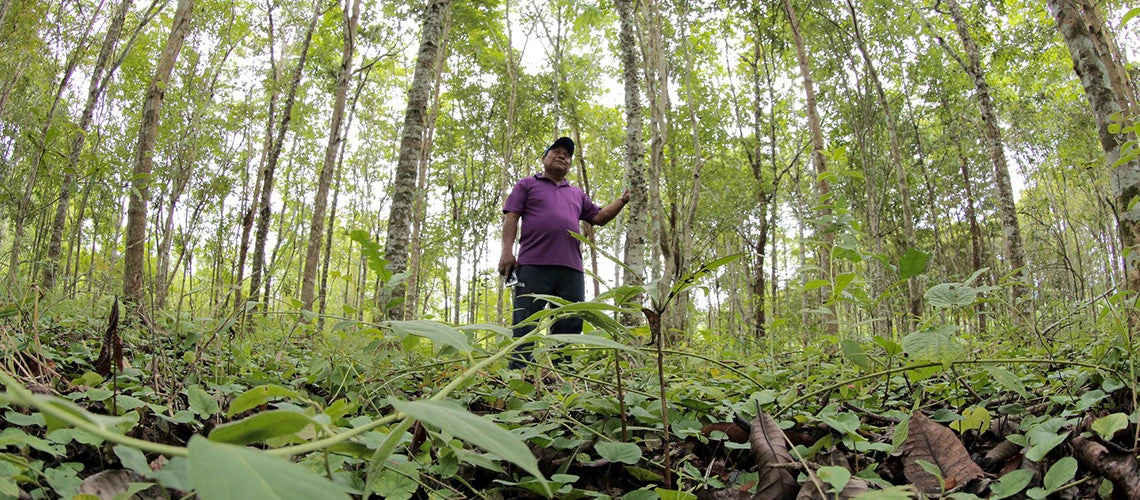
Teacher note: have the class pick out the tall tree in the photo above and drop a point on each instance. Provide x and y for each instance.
(824, 230)
(94, 91)
(316, 224)
(133, 262)
(637, 222)
(1107, 106)
(267, 175)
(1007, 211)
(411, 145)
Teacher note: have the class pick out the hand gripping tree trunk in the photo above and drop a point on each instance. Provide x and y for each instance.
(133, 263)
(637, 222)
(824, 231)
(316, 224)
(411, 147)
(1106, 107)
(264, 213)
(95, 90)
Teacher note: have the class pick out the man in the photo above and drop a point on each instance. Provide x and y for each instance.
(549, 260)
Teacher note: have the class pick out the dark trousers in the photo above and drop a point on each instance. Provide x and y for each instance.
(560, 281)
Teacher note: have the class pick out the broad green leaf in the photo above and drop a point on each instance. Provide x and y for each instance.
(1040, 444)
(626, 453)
(486, 327)
(1060, 473)
(932, 345)
(912, 263)
(1011, 484)
(259, 427)
(892, 493)
(132, 459)
(1007, 379)
(470, 427)
(1135, 11)
(585, 339)
(945, 295)
(397, 481)
(856, 354)
(842, 281)
(132, 490)
(201, 402)
(226, 471)
(814, 284)
(1108, 425)
(674, 494)
(977, 418)
(258, 396)
(888, 345)
(837, 477)
(435, 331)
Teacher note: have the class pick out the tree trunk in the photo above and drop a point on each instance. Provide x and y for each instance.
(636, 178)
(914, 294)
(1011, 230)
(824, 231)
(265, 204)
(134, 262)
(316, 224)
(1105, 102)
(95, 90)
(411, 147)
(25, 202)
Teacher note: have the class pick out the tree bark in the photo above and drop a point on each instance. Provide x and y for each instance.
(133, 262)
(1106, 104)
(1011, 229)
(636, 179)
(265, 204)
(411, 147)
(914, 294)
(95, 90)
(824, 231)
(317, 222)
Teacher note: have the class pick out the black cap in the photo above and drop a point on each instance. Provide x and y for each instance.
(562, 142)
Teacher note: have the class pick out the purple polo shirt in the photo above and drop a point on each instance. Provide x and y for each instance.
(549, 213)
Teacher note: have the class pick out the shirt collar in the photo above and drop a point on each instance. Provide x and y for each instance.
(542, 175)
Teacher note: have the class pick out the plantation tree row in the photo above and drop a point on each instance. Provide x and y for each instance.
(351, 158)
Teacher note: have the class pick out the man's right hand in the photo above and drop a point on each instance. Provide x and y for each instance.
(507, 262)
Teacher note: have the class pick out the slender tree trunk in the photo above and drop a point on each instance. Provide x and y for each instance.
(914, 294)
(1011, 230)
(265, 204)
(25, 202)
(95, 90)
(1096, 79)
(148, 134)
(636, 178)
(1127, 95)
(316, 224)
(411, 147)
(824, 231)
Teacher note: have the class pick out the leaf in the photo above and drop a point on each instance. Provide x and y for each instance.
(932, 345)
(977, 418)
(1108, 425)
(1011, 484)
(1007, 379)
(260, 427)
(626, 453)
(930, 442)
(1060, 473)
(226, 471)
(201, 402)
(470, 427)
(585, 339)
(948, 295)
(856, 354)
(769, 448)
(842, 281)
(836, 476)
(258, 396)
(433, 330)
(1135, 11)
(912, 263)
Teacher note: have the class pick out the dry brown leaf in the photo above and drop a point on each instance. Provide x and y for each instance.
(109, 483)
(769, 448)
(929, 441)
(1001, 454)
(112, 351)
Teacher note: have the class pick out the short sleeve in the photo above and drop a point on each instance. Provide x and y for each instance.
(516, 201)
(589, 209)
